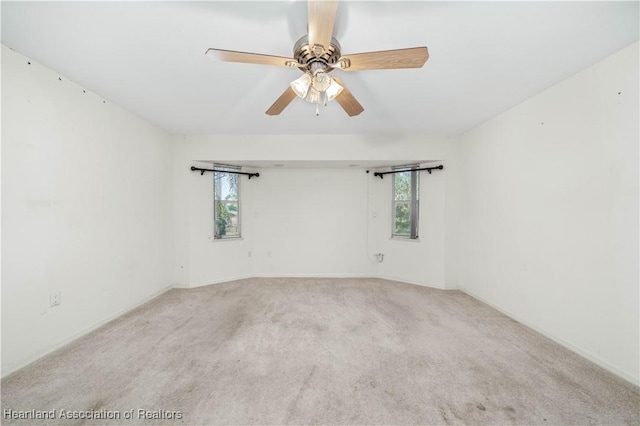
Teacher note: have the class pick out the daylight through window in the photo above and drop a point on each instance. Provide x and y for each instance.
(406, 190)
(226, 208)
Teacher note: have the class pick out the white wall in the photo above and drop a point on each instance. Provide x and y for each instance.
(312, 147)
(201, 260)
(549, 212)
(86, 210)
(419, 261)
(452, 216)
(312, 221)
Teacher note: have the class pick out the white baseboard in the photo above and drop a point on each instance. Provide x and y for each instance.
(318, 275)
(217, 281)
(43, 353)
(390, 278)
(577, 349)
(307, 275)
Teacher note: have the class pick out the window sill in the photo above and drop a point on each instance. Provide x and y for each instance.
(215, 240)
(413, 240)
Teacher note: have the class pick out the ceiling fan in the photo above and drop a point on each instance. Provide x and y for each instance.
(317, 54)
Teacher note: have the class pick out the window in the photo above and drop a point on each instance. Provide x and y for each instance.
(226, 204)
(406, 191)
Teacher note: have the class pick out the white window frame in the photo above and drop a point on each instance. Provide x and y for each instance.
(221, 169)
(413, 202)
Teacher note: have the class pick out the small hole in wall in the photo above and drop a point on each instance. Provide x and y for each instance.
(28, 62)
(104, 102)
(59, 79)
(619, 93)
(84, 91)
(542, 124)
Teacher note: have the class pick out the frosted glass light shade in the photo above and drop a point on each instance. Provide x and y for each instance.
(321, 81)
(314, 96)
(333, 90)
(301, 85)
(317, 88)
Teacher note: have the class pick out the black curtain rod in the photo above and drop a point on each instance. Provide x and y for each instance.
(381, 174)
(193, 169)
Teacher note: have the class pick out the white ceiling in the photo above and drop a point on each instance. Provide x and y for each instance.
(485, 57)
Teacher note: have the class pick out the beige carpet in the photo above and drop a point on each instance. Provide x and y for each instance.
(273, 351)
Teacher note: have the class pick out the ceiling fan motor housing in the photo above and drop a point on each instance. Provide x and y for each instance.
(305, 55)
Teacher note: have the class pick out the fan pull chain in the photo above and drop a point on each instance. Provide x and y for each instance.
(317, 110)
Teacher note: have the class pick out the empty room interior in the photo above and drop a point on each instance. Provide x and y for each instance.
(306, 212)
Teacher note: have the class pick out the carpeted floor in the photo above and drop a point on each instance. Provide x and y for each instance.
(309, 351)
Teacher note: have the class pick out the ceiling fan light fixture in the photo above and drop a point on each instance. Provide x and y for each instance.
(317, 89)
(333, 90)
(301, 85)
(321, 81)
(314, 96)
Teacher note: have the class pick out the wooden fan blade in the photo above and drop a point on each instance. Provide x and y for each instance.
(322, 15)
(282, 102)
(414, 57)
(347, 101)
(248, 58)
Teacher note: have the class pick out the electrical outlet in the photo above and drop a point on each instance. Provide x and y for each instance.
(55, 298)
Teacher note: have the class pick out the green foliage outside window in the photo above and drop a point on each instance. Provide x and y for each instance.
(403, 220)
(226, 203)
(405, 204)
